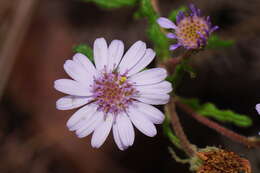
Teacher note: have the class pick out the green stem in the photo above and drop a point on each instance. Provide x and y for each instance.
(169, 133)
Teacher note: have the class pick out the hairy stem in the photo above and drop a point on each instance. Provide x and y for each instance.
(177, 127)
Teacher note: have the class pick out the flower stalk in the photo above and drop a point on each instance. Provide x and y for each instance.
(188, 148)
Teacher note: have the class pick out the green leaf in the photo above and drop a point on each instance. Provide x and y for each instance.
(154, 32)
(210, 110)
(174, 13)
(215, 42)
(180, 71)
(111, 4)
(85, 50)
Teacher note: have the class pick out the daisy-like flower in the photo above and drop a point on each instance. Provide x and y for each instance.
(116, 93)
(191, 31)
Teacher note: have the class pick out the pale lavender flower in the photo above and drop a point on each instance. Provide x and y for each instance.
(116, 93)
(257, 107)
(191, 31)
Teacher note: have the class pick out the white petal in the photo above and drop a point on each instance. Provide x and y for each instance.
(158, 88)
(166, 23)
(80, 115)
(150, 76)
(117, 139)
(115, 53)
(85, 63)
(101, 133)
(142, 123)
(77, 72)
(71, 87)
(132, 56)
(100, 53)
(154, 99)
(145, 61)
(94, 122)
(71, 102)
(150, 112)
(126, 130)
(257, 107)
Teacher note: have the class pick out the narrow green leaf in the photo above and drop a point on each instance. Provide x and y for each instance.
(215, 41)
(85, 50)
(111, 4)
(210, 110)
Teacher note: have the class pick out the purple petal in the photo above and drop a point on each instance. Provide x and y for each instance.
(179, 17)
(198, 42)
(171, 35)
(193, 9)
(166, 23)
(198, 12)
(174, 46)
(214, 28)
(202, 40)
(208, 21)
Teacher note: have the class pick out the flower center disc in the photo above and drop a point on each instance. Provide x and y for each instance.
(188, 29)
(113, 93)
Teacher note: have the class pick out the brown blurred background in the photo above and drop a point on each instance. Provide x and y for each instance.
(33, 134)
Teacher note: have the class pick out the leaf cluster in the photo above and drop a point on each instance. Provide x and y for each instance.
(111, 4)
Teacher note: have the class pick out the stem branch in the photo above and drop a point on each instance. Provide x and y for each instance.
(217, 127)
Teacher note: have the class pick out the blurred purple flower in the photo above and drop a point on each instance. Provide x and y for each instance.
(192, 31)
(115, 93)
(257, 107)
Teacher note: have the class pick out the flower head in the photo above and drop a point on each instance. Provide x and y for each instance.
(191, 31)
(116, 93)
(216, 160)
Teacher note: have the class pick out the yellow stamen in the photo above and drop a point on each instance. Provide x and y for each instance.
(123, 79)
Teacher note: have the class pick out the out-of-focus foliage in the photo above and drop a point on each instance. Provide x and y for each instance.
(175, 12)
(215, 42)
(155, 33)
(112, 3)
(210, 110)
(85, 50)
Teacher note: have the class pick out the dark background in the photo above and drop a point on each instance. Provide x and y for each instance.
(33, 134)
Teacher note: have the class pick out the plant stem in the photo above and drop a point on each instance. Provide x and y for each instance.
(176, 125)
(155, 6)
(23, 13)
(217, 127)
(168, 131)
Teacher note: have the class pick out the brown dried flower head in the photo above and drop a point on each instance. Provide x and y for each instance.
(216, 160)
